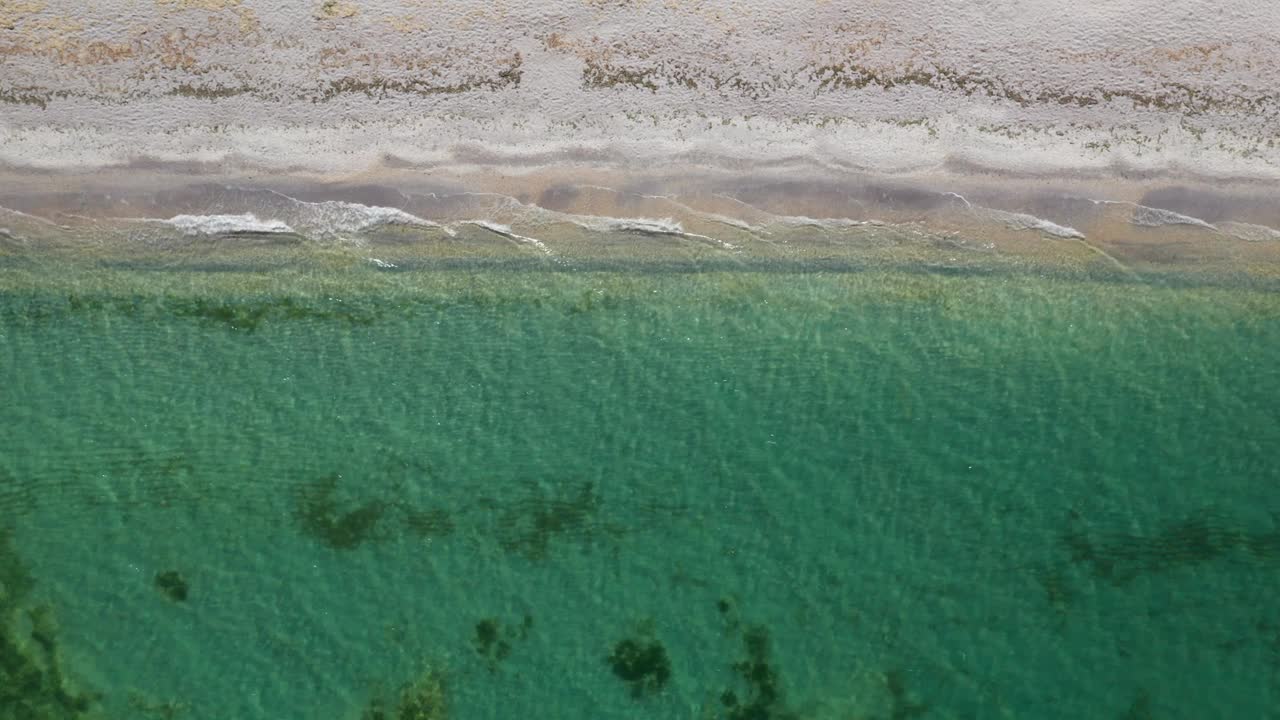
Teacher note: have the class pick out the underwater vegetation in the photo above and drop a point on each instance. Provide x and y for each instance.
(159, 709)
(16, 581)
(15, 497)
(244, 314)
(318, 512)
(424, 698)
(527, 525)
(494, 645)
(32, 684)
(760, 693)
(1140, 708)
(172, 585)
(903, 707)
(1119, 557)
(430, 523)
(250, 314)
(642, 663)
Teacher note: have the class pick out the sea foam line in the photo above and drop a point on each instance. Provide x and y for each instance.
(643, 226)
(326, 218)
(224, 224)
(1020, 221)
(505, 231)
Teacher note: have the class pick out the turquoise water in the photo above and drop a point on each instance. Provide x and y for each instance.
(849, 495)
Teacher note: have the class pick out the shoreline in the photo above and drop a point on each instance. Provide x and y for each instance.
(587, 215)
(593, 131)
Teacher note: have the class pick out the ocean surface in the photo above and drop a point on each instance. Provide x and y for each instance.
(478, 490)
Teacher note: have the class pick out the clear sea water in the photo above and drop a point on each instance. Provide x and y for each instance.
(827, 496)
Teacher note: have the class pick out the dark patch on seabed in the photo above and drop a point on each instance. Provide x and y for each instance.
(1119, 557)
(33, 685)
(493, 642)
(341, 527)
(1170, 549)
(527, 523)
(641, 662)
(426, 697)
(172, 585)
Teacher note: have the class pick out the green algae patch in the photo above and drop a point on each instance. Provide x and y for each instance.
(321, 516)
(251, 313)
(423, 698)
(172, 585)
(527, 526)
(147, 707)
(33, 685)
(759, 695)
(1120, 557)
(16, 581)
(428, 523)
(641, 663)
(493, 643)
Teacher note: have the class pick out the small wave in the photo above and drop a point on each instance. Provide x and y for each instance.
(644, 226)
(332, 217)
(729, 221)
(26, 217)
(838, 223)
(1019, 221)
(505, 231)
(326, 219)
(765, 216)
(1157, 217)
(1023, 221)
(248, 223)
(1249, 231)
(673, 202)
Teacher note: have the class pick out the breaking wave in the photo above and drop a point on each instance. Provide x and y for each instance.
(1157, 217)
(248, 223)
(505, 231)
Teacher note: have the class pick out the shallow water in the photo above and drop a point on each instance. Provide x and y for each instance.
(825, 495)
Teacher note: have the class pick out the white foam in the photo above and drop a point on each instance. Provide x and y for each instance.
(644, 226)
(1158, 217)
(226, 224)
(825, 223)
(330, 218)
(1023, 221)
(21, 216)
(1018, 220)
(1249, 231)
(505, 231)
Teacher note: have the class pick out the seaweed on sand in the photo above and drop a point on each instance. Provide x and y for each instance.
(1121, 556)
(527, 526)
(424, 698)
(903, 707)
(172, 585)
(32, 684)
(642, 663)
(318, 512)
(493, 644)
(249, 314)
(762, 697)
(428, 523)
